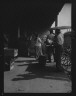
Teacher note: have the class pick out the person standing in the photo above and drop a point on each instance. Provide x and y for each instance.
(59, 40)
(49, 46)
(38, 47)
(44, 44)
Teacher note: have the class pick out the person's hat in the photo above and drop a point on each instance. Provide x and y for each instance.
(50, 36)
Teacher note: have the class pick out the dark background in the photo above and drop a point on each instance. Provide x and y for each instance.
(30, 16)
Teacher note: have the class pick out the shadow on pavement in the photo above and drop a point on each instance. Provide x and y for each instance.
(29, 61)
(34, 70)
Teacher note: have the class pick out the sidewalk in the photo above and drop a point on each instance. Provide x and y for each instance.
(26, 78)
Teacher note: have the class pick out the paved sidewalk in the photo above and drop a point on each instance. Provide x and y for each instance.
(25, 77)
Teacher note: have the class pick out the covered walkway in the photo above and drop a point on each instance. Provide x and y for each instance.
(26, 77)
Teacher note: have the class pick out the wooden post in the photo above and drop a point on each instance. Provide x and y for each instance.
(56, 22)
(18, 32)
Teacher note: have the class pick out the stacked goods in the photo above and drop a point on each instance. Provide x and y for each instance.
(9, 57)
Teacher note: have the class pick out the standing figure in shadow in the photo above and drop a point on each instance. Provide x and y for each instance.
(38, 47)
(58, 40)
(49, 45)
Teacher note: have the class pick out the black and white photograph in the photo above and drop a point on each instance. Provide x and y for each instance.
(37, 40)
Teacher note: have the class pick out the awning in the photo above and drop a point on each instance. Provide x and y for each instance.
(30, 16)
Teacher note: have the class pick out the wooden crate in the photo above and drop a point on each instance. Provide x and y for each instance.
(10, 52)
(9, 57)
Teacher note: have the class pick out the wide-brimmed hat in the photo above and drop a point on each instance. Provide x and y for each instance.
(50, 36)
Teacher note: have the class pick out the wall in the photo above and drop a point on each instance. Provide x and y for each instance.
(64, 17)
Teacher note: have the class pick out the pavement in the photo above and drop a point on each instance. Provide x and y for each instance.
(27, 77)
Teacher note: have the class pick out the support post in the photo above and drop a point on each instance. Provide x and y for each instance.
(56, 22)
(18, 32)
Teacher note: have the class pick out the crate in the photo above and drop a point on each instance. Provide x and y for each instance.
(10, 52)
(9, 57)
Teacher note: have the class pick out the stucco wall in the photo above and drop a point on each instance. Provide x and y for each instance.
(64, 16)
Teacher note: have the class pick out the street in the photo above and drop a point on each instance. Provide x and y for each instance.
(27, 77)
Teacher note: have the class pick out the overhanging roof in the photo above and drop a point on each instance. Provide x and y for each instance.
(30, 16)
